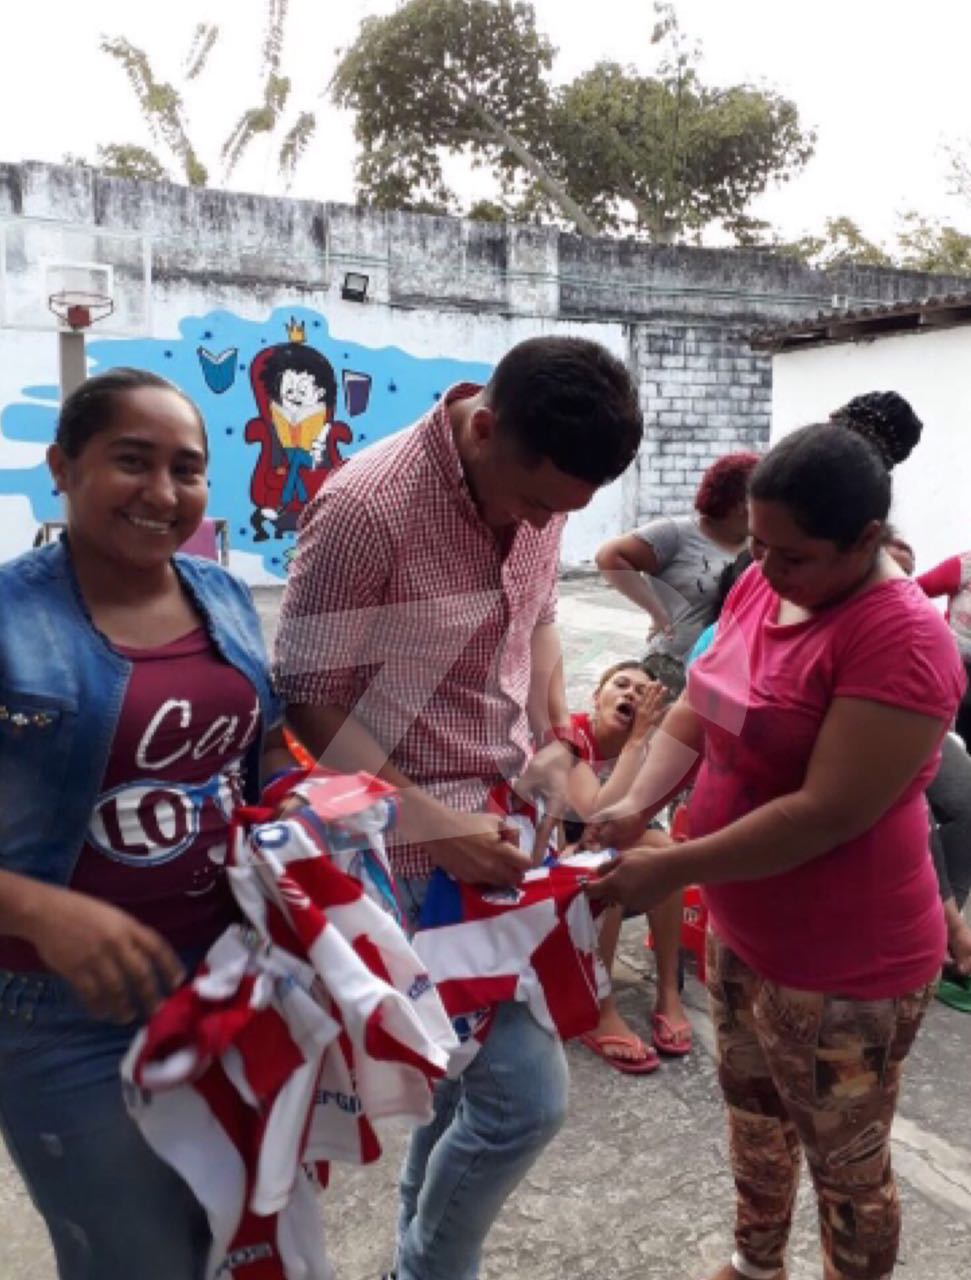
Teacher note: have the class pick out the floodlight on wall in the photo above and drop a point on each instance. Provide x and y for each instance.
(354, 288)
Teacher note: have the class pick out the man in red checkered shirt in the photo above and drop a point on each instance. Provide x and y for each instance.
(418, 641)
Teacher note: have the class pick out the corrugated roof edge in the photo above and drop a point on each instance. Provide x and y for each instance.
(837, 325)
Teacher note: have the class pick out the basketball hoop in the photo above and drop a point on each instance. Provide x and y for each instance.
(78, 309)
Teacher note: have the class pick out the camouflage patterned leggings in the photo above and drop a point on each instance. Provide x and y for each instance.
(802, 1071)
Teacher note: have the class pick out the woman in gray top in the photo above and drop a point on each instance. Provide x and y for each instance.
(670, 567)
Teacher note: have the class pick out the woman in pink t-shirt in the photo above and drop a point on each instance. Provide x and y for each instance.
(817, 716)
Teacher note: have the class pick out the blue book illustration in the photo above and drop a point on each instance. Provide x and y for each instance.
(219, 370)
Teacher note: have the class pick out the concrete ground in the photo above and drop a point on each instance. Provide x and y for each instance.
(636, 1185)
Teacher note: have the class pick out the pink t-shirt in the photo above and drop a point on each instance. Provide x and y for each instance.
(865, 919)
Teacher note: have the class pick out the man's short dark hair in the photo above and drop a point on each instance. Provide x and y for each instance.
(571, 401)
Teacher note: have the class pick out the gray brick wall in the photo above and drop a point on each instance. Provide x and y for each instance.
(704, 393)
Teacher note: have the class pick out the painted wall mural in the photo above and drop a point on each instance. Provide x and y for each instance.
(285, 402)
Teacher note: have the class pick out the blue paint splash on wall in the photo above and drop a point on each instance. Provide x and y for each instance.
(245, 438)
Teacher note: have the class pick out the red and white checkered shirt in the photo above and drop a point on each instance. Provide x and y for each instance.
(402, 608)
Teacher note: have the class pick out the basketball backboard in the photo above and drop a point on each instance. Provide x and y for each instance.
(39, 258)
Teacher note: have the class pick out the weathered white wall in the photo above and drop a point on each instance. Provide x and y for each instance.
(443, 293)
(30, 358)
(932, 369)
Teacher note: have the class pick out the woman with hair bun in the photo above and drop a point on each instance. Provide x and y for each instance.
(685, 555)
(817, 715)
(886, 421)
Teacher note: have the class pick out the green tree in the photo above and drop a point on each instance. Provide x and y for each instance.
(926, 245)
(666, 155)
(677, 153)
(161, 103)
(920, 244)
(959, 167)
(840, 244)
(267, 118)
(489, 211)
(449, 76)
(127, 160)
(163, 108)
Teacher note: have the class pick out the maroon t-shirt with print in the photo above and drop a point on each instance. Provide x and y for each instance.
(156, 843)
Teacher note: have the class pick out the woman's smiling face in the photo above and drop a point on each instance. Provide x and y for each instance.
(137, 489)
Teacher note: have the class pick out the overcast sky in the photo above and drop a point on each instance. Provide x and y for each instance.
(884, 82)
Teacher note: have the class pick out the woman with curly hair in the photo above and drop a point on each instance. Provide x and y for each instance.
(670, 567)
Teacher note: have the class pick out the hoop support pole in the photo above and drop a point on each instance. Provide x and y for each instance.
(73, 364)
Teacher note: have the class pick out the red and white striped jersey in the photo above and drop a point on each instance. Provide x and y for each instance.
(536, 943)
(297, 1033)
(221, 1083)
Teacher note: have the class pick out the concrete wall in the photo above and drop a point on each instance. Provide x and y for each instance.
(197, 274)
(933, 370)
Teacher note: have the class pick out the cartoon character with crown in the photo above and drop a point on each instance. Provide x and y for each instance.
(296, 395)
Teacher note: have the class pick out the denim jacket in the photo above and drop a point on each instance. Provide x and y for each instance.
(61, 691)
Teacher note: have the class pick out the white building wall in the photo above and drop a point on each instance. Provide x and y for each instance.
(932, 489)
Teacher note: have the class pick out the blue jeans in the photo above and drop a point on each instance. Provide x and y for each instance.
(294, 486)
(114, 1210)
(488, 1129)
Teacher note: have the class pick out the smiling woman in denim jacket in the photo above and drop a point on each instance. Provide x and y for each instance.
(135, 710)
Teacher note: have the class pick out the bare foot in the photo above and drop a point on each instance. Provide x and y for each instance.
(672, 1030)
(669, 1004)
(619, 1046)
(628, 1046)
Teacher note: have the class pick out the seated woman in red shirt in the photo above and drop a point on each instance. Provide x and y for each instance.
(817, 716)
(612, 740)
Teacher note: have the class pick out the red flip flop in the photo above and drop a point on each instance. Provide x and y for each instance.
(669, 1039)
(645, 1062)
